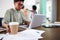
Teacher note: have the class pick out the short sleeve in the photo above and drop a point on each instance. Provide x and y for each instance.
(6, 18)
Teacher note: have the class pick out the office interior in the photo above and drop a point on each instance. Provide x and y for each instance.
(49, 8)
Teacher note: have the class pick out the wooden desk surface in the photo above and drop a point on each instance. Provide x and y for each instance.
(50, 33)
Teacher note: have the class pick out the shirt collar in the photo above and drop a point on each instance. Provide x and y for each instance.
(15, 10)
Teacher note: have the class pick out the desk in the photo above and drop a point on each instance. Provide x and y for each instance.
(50, 33)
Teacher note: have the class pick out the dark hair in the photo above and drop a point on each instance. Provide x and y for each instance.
(18, 0)
(34, 7)
(23, 7)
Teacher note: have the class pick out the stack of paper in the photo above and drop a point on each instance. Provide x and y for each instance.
(29, 34)
(51, 24)
(2, 35)
(57, 22)
(24, 26)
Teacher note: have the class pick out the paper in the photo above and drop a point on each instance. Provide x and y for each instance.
(29, 34)
(15, 37)
(57, 22)
(33, 32)
(2, 35)
(51, 24)
(23, 26)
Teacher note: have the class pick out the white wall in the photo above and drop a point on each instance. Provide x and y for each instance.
(52, 10)
(4, 5)
(28, 3)
(7, 4)
(49, 9)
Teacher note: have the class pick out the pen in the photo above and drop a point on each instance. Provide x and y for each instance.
(1, 38)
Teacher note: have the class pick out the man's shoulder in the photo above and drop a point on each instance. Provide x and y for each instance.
(10, 10)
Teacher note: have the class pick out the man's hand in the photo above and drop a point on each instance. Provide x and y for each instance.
(7, 27)
(27, 23)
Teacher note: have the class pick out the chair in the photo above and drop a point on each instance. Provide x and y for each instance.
(1, 22)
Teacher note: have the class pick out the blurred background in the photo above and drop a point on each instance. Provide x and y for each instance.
(46, 7)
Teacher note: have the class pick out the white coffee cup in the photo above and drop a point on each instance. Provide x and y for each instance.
(13, 27)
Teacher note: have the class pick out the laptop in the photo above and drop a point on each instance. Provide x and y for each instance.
(36, 21)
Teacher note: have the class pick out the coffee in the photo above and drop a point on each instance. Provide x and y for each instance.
(13, 27)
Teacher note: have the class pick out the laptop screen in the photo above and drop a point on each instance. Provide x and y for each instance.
(37, 20)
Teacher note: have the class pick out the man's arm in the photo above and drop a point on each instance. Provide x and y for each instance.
(6, 19)
(6, 26)
(26, 19)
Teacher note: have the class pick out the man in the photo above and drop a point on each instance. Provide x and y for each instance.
(32, 12)
(34, 9)
(24, 11)
(14, 14)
